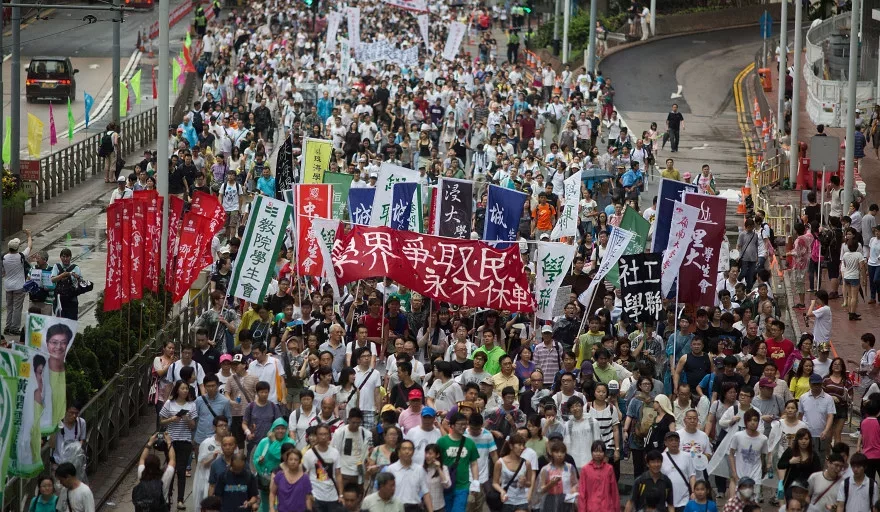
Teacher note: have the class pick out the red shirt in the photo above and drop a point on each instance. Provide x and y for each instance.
(373, 325)
(778, 352)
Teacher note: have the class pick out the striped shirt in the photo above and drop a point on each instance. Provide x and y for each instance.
(179, 430)
(608, 419)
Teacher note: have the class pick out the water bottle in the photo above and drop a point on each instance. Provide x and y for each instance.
(238, 399)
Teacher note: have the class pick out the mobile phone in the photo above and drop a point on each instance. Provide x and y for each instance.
(183, 412)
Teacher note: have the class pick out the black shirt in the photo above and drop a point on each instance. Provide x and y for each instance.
(459, 368)
(400, 394)
(645, 484)
(209, 359)
(276, 304)
(235, 489)
(674, 119)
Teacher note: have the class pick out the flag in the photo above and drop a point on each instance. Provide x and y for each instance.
(567, 225)
(284, 178)
(187, 57)
(670, 191)
(640, 286)
(190, 247)
(53, 135)
(325, 231)
(312, 200)
(8, 395)
(317, 154)
(423, 28)
(116, 259)
(453, 40)
(138, 248)
(175, 75)
(388, 175)
(123, 99)
(504, 207)
(187, 43)
(208, 206)
(617, 242)
(135, 84)
(341, 185)
(353, 15)
(416, 215)
(152, 238)
(35, 136)
(334, 19)
(7, 140)
(632, 221)
(401, 204)
(698, 275)
(263, 239)
(360, 205)
(70, 121)
(155, 87)
(453, 210)
(175, 219)
(684, 219)
(553, 262)
(89, 101)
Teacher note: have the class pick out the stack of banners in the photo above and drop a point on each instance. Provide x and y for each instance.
(670, 191)
(137, 220)
(116, 288)
(341, 184)
(454, 208)
(640, 227)
(334, 19)
(360, 205)
(567, 225)
(504, 207)
(153, 239)
(410, 5)
(387, 51)
(200, 225)
(175, 220)
(311, 201)
(618, 240)
(460, 272)
(402, 205)
(454, 39)
(553, 262)
(684, 219)
(284, 177)
(697, 275)
(8, 394)
(389, 175)
(317, 154)
(353, 15)
(640, 286)
(424, 21)
(326, 231)
(263, 238)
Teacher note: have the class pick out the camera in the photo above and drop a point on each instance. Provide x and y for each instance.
(160, 445)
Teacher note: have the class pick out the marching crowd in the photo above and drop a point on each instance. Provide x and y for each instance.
(387, 401)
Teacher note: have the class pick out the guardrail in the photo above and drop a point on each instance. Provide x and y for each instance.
(117, 405)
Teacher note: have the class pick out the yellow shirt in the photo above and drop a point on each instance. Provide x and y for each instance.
(500, 382)
(799, 386)
(671, 174)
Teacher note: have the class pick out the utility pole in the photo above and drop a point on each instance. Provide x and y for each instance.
(15, 136)
(162, 121)
(556, 14)
(653, 17)
(566, 21)
(117, 73)
(852, 76)
(796, 91)
(591, 49)
(783, 65)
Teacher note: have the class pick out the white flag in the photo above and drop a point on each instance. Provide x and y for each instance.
(410, 5)
(354, 26)
(681, 231)
(423, 28)
(553, 263)
(263, 238)
(324, 230)
(333, 21)
(453, 41)
(389, 175)
(567, 223)
(617, 243)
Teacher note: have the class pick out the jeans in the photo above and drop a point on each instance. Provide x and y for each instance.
(182, 452)
(674, 138)
(874, 279)
(14, 303)
(327, 506)
(748, 269)
(456, 499)
(812, 271)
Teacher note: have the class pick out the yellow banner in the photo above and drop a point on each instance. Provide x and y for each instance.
(35, 136)
(316, 160)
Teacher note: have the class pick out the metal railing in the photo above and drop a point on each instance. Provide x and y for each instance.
(116, 406)
(781, 217)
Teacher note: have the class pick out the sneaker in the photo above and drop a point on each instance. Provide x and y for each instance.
(188, 471)
(181, 505)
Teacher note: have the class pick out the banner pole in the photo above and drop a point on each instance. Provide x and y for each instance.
(219, 316)
(675, 332)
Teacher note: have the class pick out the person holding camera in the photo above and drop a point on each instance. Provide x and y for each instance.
(179, 416)
(154, 482)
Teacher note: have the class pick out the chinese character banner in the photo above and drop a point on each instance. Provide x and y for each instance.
(640, 286)
(454, 208)
(263, 238)
(311, 201)
(697, 276)
(553, 263)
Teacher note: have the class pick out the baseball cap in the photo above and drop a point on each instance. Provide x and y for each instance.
(429, 411)
(613, 385)
(767, 383)
(799, 484)
(671, 434)
(488, 380)
(415, 394)
(225, 358)
(466, 403)
(824, 347)
(815, 379)
(545, 236)
(121, 178)
(386, 408)
(237, 358)
(743, 482)
(546, 328)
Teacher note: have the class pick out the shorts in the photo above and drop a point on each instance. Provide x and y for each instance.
(853, 282)
(833, 269)
(799, 276)
(842, 412)
(232, 219)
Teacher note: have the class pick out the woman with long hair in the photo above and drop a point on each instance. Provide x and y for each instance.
(434, 337)
(800, 459)
(757, 362)
(838, 387)
(346, 392)
(623, 355)
(601, 224)
(381, 456)
(800, 381)
(536, 440)
(438, 477)
(161, 363)
(804, 351)
(512, 476)
(726, 399)
(150, 467)
(790, 425)
(178, 416)
(291, 489)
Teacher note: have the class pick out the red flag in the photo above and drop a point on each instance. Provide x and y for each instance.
(175, 218)
(696, 278)
(312, 200)
(152, 263)
(53, 136)
(155, 88)
(432, 216)
(138, 245)
(208, 206)
(189, 248)
(116, 260)
(189, 68)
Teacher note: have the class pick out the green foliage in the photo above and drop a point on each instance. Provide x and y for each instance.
(99, 352)
(579, 29)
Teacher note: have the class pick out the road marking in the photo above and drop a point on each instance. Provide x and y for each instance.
(94, 66)
(704, 146)
(677, 94)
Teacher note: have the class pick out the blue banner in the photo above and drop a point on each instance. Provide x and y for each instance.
(401, 205)
(670, 192)
(504, 207)
(89, 101)
(360, 205)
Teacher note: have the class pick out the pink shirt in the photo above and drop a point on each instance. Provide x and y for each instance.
(871, 438)
(409, 420)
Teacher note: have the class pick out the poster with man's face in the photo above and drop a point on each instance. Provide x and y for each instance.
(53, 336)
(32, 372)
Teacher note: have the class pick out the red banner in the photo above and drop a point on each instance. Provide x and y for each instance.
(116, 261)
(312, 200)
(125, 272)
(208, 206)
(175, 219)
(463, 272)
(152, 263)
(697, 276)
(186, 271)
(138, 228)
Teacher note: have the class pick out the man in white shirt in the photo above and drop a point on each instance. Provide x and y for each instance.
(322, 465)
(821, 313)
(423, 435)
(367, 381)
(268, 369)
(817, 409)
(354, 443)
(76, 495)
(679, 467)
(858, 492)
(411, 480)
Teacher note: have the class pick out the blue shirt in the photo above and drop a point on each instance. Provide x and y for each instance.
(205, 423)
(693, 506)
(266, 186)
(325, 108)
(629, 177)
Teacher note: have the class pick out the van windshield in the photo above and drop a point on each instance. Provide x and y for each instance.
(48, 68)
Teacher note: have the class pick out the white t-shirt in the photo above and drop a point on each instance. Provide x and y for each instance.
(353, 448)
(850, 264)
(818, 485)
(77, 500)
(822, 324)
(230, 196)
(694, 444)
(680, 476)
(421, 438)
(445, 395)
(167, 475)
(298, 428)
(320, 473)
(366, 396)
(747, 454)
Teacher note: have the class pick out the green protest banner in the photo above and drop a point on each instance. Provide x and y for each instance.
(339, 193)
(634, 222)
(9, 362)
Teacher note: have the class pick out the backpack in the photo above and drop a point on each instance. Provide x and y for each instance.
(846, 490)
(815, 250)
(647, 415)
(772, 234)
(106, 147)
(65, 287)
(147, 496)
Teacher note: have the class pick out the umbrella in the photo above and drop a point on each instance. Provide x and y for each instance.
(595, 173)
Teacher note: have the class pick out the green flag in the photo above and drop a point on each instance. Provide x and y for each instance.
(175, 75)
(188, 42)
(339, 194)
(7, 140)
(634, 222)
(136, 87)
(416, 213)
(123, 99)
(70, 121)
